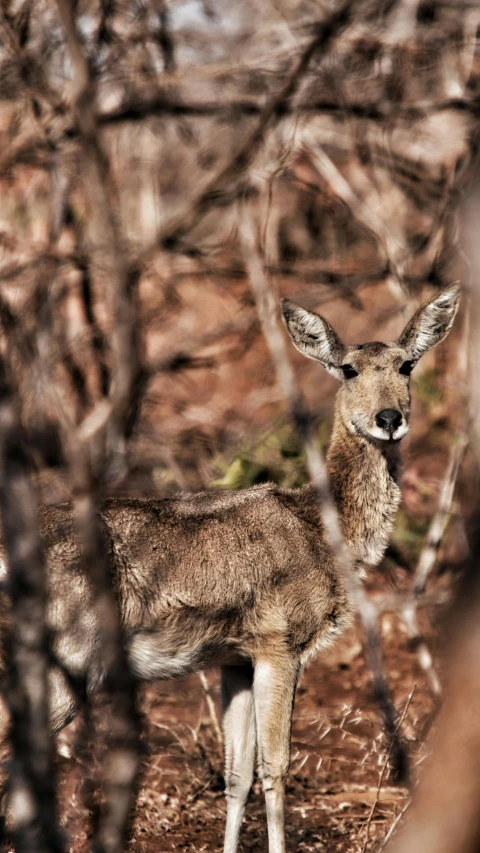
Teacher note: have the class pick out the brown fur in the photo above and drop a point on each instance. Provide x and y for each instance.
(244, 580)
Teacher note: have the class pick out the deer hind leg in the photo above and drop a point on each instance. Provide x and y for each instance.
(240, 737)
(274, 687)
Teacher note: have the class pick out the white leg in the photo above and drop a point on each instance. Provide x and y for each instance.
(274, 691)
(239, 730)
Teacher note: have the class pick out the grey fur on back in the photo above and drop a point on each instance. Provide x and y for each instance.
(220, 576)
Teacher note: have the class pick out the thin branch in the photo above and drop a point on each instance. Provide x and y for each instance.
(408, 610)
(213, 194)
(124, 343)
(439, 521)
(211, 708)
(267, 312)
(383, 771)
(388, 240)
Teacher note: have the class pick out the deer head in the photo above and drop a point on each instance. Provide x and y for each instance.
(374, 398)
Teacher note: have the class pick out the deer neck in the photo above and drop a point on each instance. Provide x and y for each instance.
(364, 484)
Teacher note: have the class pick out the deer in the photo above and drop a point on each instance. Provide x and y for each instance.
(245, 580)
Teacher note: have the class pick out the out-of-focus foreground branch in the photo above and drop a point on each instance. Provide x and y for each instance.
(444, 816)
(32, 784)
(93, 451)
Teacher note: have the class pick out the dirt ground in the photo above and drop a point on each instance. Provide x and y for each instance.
(340, 795)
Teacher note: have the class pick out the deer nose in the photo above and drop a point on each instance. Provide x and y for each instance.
(389, 419)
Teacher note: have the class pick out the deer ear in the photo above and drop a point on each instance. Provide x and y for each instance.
(432, 323)
(314, 337)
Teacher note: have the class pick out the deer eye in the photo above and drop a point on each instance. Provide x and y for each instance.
(349, 372)
(407, 368)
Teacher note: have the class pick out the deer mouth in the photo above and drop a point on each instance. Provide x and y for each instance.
(378, 434)
(381, 434)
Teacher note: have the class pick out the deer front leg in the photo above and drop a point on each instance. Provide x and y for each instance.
(274, 686)
(239, 732)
